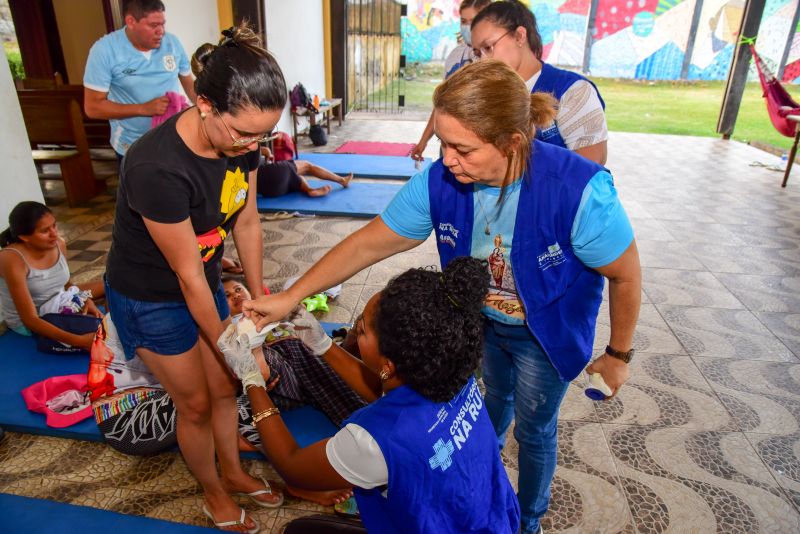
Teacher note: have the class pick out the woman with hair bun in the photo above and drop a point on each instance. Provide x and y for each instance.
(551, 227)
(184, 187)
(507, 31)
(423, 457)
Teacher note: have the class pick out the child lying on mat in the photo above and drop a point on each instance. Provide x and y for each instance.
(136, 416)
(277, 178)
(34, 271)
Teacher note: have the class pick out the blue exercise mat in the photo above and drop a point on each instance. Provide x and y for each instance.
(26, 514)
(359, 200)
(367, 166)
(22, 365)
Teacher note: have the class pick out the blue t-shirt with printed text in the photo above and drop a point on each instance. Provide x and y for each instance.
(601, 232)
(130, 76)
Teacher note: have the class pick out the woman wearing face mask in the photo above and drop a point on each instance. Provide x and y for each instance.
(460, 56)
(507, 31)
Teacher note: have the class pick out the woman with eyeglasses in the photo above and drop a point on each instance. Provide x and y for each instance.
(507, 31)
(184, 187)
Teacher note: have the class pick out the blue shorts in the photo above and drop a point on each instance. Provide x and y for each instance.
(165, 328)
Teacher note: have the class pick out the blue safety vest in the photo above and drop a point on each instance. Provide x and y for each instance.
(445, 472)
(557, 81)
(561, 295)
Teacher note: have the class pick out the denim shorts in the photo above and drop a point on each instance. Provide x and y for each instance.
(165, 328)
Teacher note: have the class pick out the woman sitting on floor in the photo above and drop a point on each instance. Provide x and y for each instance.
(277, 178)
(424, 457)
(34, 270)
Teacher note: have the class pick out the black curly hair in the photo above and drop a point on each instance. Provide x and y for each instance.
(429, 324)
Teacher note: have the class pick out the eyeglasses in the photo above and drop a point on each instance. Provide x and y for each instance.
(488, 50)
(245, 141)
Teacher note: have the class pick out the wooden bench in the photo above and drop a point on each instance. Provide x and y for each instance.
(324, 109)
(98, 131)
(57, 120)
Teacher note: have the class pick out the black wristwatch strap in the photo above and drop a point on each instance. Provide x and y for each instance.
(624, 356)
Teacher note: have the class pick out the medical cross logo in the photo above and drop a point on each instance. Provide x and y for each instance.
(442, 453)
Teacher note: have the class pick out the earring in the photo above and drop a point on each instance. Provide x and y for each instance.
(202, 115)
(384, 374)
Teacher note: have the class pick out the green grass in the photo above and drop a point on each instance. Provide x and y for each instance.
(685, 108)
(679, 108)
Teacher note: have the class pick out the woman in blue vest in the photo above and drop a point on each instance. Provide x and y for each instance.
(552, 228)
(507, 31)
(423, 457)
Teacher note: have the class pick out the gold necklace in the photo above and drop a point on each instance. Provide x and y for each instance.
(486, 230)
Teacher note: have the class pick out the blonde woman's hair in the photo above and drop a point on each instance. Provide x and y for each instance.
(490, 99)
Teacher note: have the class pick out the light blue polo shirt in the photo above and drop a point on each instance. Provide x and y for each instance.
(131, 76)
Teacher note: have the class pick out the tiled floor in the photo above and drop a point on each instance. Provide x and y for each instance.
(704, 438)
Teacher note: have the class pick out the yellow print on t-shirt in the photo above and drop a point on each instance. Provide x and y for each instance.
(234, 193)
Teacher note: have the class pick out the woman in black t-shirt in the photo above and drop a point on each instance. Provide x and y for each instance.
(185, 186)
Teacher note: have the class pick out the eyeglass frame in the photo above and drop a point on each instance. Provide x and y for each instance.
(489, 49)
(242, 142)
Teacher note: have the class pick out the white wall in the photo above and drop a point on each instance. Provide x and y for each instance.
(193, 22)
(295, 38)
(18, 178)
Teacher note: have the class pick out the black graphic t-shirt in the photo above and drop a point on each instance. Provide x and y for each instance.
(164, 181)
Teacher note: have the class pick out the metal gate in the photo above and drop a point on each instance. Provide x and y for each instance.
(374, 63)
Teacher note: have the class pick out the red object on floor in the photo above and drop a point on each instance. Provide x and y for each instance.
(372, 148)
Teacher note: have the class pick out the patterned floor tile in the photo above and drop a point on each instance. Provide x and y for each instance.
(652, 333)
(587, 494)
(762, 397)
(666, 390)
(687, 288)
(764, 293)
(782, 455)
(743, 260)
(667, 255)
(683, 480)
(784, 325)
(724, 333)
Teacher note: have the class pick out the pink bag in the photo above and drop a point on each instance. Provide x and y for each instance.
(177, 103)
(38, 395)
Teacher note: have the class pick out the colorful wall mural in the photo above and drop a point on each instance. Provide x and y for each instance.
(643, 39)
(430, 30)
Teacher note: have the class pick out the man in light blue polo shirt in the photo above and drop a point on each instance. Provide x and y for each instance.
(129, 72)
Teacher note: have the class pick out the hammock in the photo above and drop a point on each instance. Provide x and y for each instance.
(779, 102)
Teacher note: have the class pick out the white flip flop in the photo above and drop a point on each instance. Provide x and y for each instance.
(240, 522)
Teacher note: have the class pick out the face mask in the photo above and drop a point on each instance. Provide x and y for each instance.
(466, 34)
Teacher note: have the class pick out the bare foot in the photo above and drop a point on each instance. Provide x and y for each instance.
(325, 498)
(222, 510)
(319, 191)
(346, 181)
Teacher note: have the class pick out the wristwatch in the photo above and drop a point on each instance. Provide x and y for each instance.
(624, 356)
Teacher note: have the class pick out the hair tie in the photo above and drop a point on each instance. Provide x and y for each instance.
(447, 293)
(229, 38)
